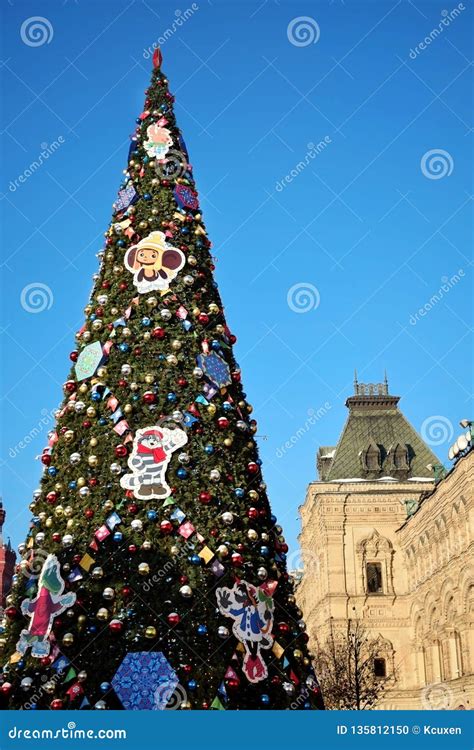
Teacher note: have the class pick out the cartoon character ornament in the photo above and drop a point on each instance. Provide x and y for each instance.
(158, 142)
(154, 263)
(47, 604)
(151, 454)
(252, 612)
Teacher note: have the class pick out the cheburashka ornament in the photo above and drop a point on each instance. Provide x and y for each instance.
(47, 604)
(151, 454)
(154, 263)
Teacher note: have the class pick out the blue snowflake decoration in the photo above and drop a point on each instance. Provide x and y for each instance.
(215, 369)
(145, 681)
(126, 197)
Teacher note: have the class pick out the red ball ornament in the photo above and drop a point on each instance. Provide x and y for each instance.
(126, 592)
(205, 498)
(106, 285)
(45, 661)
(166, 527)
(123, 286)
(232, 338)
(205, 705)
(132, 548)
(92, 482)
(122, 383)
(56, 537)
(149, 397)
(275, 680)
(173, 618)
(187, 668)
(132, 508)
(283, 628)
(214, 532)
(116, 626)
(87, 424)
(159, 333)
(182, 382)
(51, 497)
(11, 612)
(137, 351)
(56, 704)
(252, 513)
(73, 356)
(89, 513)
(232, 683)
(46, 459)
(223, 423)
(237, 559)
(236, 376)
(121, 450)
(252, 467)
(183, 579)
(203, 318)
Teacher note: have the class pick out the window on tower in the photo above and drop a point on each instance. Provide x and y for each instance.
(380, 668)
(374, 578)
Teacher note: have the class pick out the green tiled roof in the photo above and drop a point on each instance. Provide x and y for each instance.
(376, 420)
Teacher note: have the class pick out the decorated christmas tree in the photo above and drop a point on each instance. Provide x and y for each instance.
(154, 573)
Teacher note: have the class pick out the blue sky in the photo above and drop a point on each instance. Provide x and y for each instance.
(371, 223)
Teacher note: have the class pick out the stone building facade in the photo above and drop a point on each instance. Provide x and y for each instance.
(388, 541)
(7, 561)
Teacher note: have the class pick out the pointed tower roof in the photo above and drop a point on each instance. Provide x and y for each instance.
(377, 441)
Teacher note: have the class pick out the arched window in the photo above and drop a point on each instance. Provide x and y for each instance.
(380, 667)
(371, 458)
(400, 457)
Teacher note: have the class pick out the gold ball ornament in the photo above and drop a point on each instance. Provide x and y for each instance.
(68, 640)
(93, 442)
(83, 388)
(92, 460)
(69, 435)
(150, 632)
(228, 442)
(102, 614)
(102, 372)
(212, 409)
(48, 523)
(128, 408)
(143, 569)
(147, 336)
(81, 482)
(90, 411)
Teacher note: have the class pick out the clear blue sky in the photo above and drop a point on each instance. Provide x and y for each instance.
(361, 221)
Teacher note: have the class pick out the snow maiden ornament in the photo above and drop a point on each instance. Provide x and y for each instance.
(151, 454)
(158, 142)
(154, 263)
(47, 604)
(252, 612)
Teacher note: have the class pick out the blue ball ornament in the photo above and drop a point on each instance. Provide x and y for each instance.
(124, 347)
(172, 397)
(52, 471)
(192, 684)
(147, 196)
(265, 699)
(151, 515)
(120, 243)
(72, 485)
(215, 344)
(239, 492)
(195, 559)
(146, 322)
(209, 449)
(181, 473)
(102, 421)
(264, 551)
(227, 406)
(96, 396)
(273, 519)
(118, 536)
(201, 630)
(105, 686)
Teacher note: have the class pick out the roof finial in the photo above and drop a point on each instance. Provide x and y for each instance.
(385, 381)
(356, 383)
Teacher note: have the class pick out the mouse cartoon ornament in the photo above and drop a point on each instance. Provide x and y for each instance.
(252, 612)
(152, 450)
(47, 604)
(154, 263)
